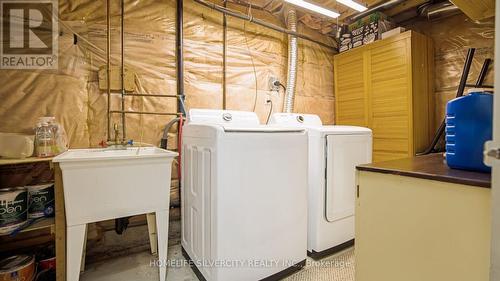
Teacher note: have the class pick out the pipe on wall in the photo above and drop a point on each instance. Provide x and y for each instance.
(224, 58)
(179, 54)
(108, 66)
(122, 67)
(384, 6)
(291, 21)
(251, 19)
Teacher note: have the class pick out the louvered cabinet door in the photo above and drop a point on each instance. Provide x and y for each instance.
(387, 87)
(350, 95)
(390, 102)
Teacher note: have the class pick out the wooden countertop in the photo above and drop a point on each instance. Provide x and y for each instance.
(430, 167)
(8, 161)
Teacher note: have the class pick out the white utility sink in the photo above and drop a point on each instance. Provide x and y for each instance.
(92, 154)
(103, 184)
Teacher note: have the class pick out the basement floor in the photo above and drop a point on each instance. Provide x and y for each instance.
(338, 267)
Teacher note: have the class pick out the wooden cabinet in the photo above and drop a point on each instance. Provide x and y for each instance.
(387, 86)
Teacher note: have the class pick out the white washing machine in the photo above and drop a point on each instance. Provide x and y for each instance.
(244, 197)
(334, 152)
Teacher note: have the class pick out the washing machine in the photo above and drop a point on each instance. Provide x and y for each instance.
(244, 197)
(334, 152)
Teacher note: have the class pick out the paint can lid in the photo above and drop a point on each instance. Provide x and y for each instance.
(15, 263)
(11, 189)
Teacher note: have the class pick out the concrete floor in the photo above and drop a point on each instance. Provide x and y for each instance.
(339, 267)
(137, 267)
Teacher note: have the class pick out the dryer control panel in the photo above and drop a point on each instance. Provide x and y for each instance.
(295, 119)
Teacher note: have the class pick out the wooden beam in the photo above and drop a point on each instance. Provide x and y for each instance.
(351, 12)
(60, 225)
(477, 9)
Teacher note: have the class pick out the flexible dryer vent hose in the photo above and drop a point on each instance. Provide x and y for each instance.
(292, 61)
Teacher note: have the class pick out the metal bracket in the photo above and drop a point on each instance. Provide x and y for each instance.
(492, 153)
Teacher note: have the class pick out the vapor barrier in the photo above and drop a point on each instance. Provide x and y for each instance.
(71, 93)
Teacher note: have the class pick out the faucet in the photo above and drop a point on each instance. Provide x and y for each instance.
(115, 128)
(117, 143)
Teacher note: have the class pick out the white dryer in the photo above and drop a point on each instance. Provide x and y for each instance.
(334, 152)
(244, 197)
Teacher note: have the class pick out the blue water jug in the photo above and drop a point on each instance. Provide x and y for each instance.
(469, 124)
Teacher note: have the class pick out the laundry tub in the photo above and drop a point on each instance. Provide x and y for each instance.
(103, 184)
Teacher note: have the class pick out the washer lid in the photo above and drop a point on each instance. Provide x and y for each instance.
(261, 129)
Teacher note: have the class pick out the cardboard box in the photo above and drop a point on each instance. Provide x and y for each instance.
(392, 32)
(364, 31)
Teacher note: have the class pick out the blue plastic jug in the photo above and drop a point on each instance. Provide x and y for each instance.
(469, 124)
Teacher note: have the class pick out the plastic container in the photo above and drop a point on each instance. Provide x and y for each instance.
(469, 122)
(16, 145)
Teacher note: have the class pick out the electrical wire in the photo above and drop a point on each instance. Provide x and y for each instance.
(250, 54)
(282, 86)
(270, 111)
(271, 101)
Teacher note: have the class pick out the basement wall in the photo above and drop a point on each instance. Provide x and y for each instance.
(452, 37)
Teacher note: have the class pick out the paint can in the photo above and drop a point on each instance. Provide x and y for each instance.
(17, 268)
(47, 263)
(46, 257)
(40, 200)
(13, 209)
(46, 275)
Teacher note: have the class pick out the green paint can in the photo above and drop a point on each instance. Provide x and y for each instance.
(40, 200)
(13, 209)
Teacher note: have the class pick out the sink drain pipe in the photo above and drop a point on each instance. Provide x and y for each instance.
(291, 80)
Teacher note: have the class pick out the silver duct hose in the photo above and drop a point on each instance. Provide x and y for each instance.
(438, 11)
(291, 79)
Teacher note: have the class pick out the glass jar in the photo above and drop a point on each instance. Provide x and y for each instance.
(45, 140)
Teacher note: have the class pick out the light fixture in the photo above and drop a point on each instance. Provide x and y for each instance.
(314, 8)
(351, 4)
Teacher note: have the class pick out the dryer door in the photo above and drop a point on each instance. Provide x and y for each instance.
(343, 154)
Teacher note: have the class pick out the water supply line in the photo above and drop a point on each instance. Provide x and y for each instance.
(224, 58)
(179, 54)
(108, 65)
(122, 67)
(291, 79)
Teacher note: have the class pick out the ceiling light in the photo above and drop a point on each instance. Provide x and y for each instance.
(314, 8)
(351, 4)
